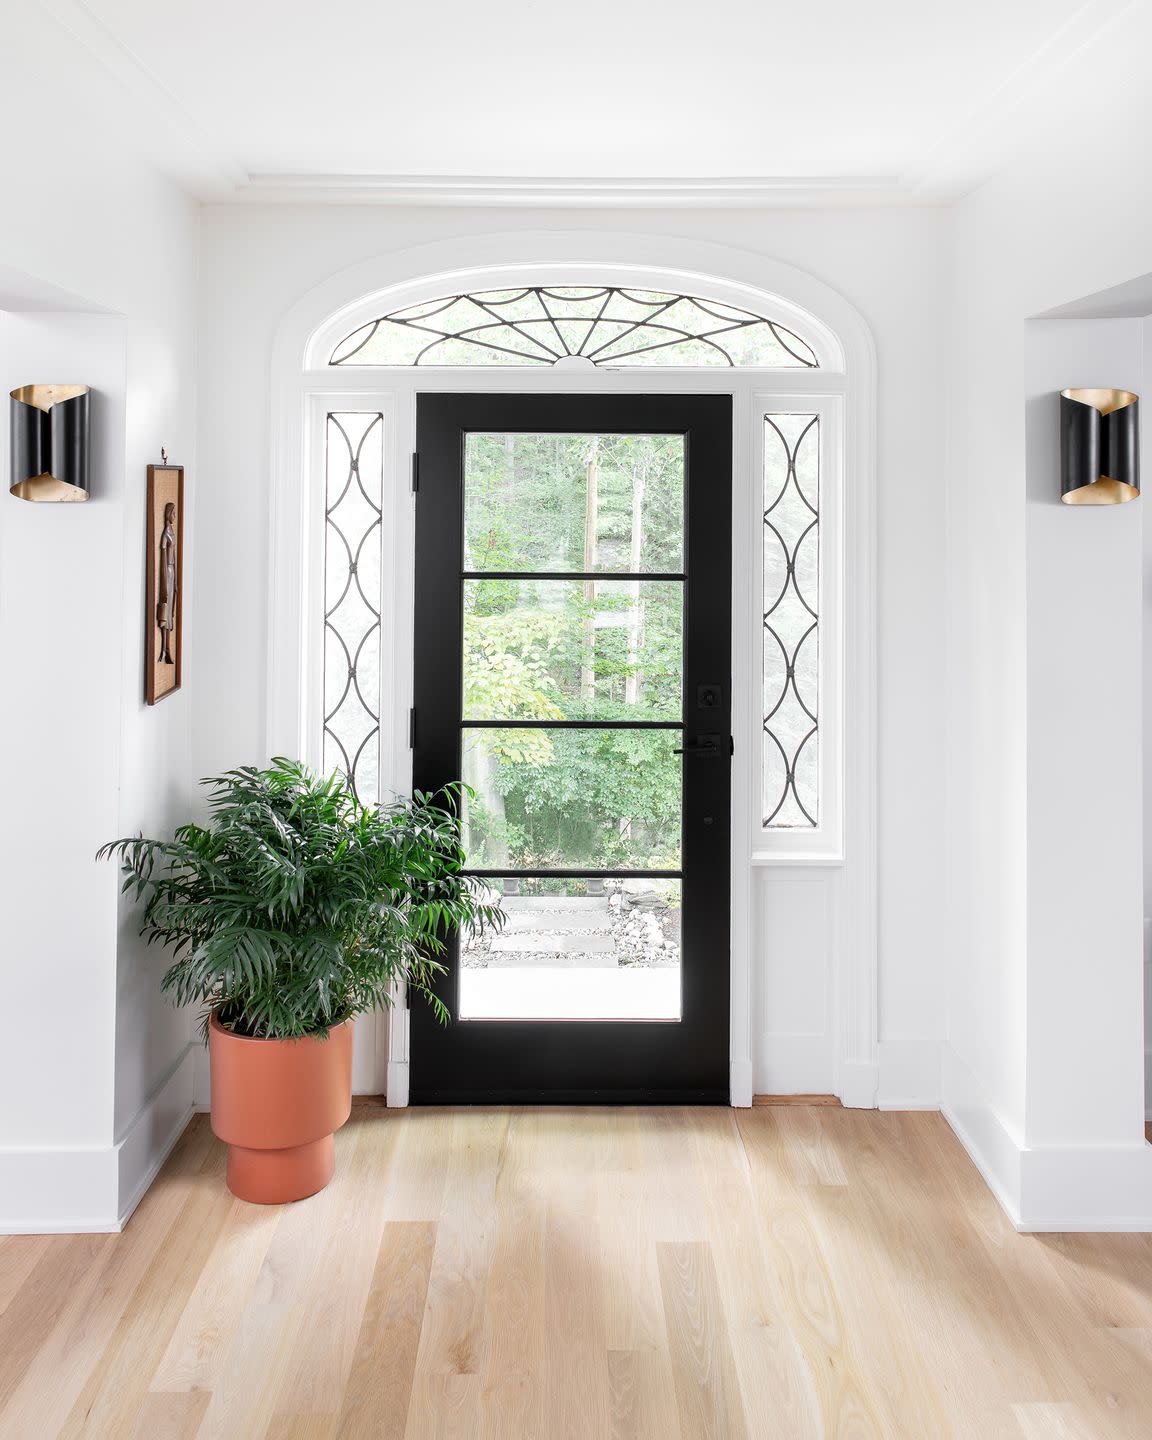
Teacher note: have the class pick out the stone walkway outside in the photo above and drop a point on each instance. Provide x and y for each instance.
(575, 957)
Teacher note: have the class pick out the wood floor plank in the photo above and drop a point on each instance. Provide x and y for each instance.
(379, 1386)
(33, 1312)
(278, 1318)
(111, 1400)
(577, 1386)
(512, 1379)
(454, 1336)
(626, 1196)
(584, 1274)
(19, 1255)
(353, 1225)
(96, 1303)
(1041, 1421)
(944, 1287)
(255, 1369)
(215, 1308)
(707, 1391)
(778, 1390)
(570, 1357)
(173, 1416)
(805, 1281)
(642, 1396)
(875, 1304)
(805, 1136)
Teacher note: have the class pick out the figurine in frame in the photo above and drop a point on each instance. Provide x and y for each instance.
(164, 603)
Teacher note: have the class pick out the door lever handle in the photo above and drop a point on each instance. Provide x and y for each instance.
(706, 745)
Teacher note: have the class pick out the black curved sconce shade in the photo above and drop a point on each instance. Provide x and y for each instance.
(49, 442)
(1099, 447)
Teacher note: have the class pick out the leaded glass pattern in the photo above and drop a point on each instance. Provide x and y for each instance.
(790, 797)
(574, 324)
(353, 497)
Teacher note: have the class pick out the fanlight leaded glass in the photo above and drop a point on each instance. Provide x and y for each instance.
(599, 325)
(353, 495)
(791, 622)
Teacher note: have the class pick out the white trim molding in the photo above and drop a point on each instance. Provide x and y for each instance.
(700, 192)
(1042, 1188)
(304, 385)
(95, 1188)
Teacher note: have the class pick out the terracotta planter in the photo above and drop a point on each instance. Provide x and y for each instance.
(277, 1105)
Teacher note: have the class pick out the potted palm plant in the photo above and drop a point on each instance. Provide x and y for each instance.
(294, 909)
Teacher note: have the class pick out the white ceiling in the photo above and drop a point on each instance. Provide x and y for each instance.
(902, 96)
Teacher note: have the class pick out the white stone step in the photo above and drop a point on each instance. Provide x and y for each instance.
(584, 904)
(555, 959)
(538, 941)
(567, 922)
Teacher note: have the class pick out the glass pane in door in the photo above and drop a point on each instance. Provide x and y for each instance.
(578, 949)
(541, 503)
(592, 667)
(573, 649)
(572, 799)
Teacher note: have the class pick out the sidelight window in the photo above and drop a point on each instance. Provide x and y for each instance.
(790, 796)
(354, 474)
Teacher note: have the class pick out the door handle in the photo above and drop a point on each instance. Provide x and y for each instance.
(705, 746)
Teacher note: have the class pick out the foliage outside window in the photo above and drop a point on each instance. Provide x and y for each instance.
(546, 648)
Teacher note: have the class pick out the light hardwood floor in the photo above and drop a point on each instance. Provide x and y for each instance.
(584, 1275)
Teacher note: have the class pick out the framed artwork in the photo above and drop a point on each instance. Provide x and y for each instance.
(164, 597)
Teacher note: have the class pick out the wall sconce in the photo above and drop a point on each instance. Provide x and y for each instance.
(49, 442)
(1099, 447)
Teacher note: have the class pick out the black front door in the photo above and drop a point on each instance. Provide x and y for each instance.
(573, 615)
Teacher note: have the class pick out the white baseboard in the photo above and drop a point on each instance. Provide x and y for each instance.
(856, 1086)
(201, 1077)
(149, 1139)
(52, 1191)
(397, 1093)
(94, 1188)
(991, 1147)
(740, 1084)
(1063, 1188)
(1082, 1187)
(908, 1074)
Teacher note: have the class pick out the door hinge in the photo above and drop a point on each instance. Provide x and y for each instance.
(412, 728)
(415, 472)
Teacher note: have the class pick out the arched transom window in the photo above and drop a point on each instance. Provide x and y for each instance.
(575, 326)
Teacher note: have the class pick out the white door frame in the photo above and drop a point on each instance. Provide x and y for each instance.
(304, 388)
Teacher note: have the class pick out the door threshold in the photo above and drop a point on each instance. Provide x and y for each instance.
(536, 1098)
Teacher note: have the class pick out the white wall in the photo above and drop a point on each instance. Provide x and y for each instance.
(257, 262)
(1146, 616)
(96, 1075)
(1043, 1054)
(1084, 1065)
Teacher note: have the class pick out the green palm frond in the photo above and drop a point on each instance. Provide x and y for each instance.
(296, 906)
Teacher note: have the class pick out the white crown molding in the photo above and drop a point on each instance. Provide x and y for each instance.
(632, 191)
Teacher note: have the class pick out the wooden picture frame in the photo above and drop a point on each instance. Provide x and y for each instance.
(164, 588)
